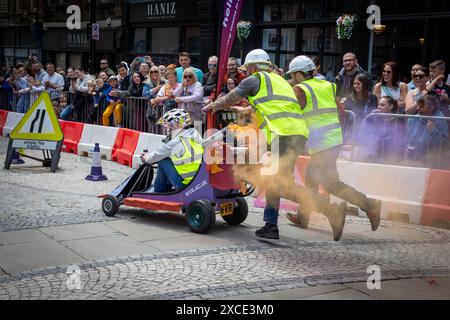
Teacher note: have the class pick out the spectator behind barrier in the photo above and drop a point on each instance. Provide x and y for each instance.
(151, 89)
(437, 87)
(420, 78)
(413, 84)
(189, 96)
(381, 138)
(104, 67)
(391, 86)
(233, 71)
(165, 97)
(184, 59)
(345, 77)
(210, 78)
(361, 101)
(428, 140)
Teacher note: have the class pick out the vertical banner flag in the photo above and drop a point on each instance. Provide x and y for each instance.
(231, 14)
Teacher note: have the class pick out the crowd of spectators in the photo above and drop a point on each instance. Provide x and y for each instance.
(136, 94)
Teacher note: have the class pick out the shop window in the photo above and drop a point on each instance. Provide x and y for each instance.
(270, 13)
(75, 60)
(288, 39)
(290, 11)
(310, 37)
(285, 59)
(311, 9)
(192, 38)
(165, 40)
(140, 40)
(60, 60)
(269, 39)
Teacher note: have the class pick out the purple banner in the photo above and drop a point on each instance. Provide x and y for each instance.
(231, 14)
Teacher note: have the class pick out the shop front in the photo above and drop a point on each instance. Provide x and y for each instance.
(17, 44)
(165, 28)
(71, 48)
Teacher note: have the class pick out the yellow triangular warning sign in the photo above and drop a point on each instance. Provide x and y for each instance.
(39, 123)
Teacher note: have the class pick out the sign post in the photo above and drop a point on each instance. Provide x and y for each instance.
(38, 130)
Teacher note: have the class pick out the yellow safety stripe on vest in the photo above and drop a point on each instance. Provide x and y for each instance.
(193, 156)
(280, 115)
(188, 175)
(316, 111)
(270, 96)
(321, 130)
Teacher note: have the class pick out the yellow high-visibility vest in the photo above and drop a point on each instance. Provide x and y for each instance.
(188, 164)
(321, 115)
(276, 108)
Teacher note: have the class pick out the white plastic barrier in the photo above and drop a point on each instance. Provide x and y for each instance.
(147, 141)
(11, 122)
(401, 189)
(105, 136)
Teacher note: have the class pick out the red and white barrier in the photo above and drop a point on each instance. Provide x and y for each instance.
(147, 141)
(104, 136)
(12, 120)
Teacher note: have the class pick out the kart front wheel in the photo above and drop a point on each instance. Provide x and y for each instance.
(239, 213)
(200, 216)
(110, 206)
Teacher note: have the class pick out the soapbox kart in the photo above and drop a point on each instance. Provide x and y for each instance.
(207, 194)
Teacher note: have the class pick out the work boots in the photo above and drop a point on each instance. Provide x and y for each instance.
(269, 231)
(373, 213)
(336, 216)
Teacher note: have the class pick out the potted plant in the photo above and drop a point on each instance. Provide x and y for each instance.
(344, 26)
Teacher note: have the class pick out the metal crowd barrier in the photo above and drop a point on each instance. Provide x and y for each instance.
(134, 112)
(411, 140)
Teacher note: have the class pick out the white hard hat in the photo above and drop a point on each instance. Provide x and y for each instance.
(301, 64)
(257, 56)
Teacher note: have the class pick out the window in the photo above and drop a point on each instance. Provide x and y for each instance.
(192, 39)
(140, 40)
(310, 40)
(165, 40)
(34, 5)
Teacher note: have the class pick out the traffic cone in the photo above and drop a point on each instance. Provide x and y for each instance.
(16, 158)
(96, 168)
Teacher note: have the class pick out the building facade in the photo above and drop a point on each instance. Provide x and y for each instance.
(414, 32)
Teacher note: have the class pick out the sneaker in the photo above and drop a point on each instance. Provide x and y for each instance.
(300, 220)
(269, 231)
(337, 219)
(374, 213)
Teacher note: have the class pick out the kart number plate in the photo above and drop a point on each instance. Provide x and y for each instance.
(226, 209)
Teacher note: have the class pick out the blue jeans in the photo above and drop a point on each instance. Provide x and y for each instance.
(167, 176)
(66, 114)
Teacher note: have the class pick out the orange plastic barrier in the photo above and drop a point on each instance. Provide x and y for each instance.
(72, 133)
(3, 116)
(436, 205)
(124, 146)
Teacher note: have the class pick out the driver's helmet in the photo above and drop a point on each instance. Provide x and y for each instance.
(175, 119)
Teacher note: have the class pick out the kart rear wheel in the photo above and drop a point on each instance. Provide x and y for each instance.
(110, 206)
(200, 216)
(239, 213)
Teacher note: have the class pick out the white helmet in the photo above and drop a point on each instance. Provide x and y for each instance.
(257, 56)
(175, 119)
(301, 64)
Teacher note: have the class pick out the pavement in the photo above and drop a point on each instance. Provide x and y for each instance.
(55, 243)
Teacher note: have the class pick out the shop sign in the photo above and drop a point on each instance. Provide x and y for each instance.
(77, 39)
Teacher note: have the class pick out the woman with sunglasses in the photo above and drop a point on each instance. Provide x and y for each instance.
(189, 96)
(151, 89)
(391, 86)
(420, 78)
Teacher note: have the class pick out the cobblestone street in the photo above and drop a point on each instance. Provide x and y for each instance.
(49, 222)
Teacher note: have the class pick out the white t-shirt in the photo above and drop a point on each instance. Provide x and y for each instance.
(55, 79)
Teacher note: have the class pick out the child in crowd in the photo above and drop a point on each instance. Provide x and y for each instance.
(437, 87)
(115, 104)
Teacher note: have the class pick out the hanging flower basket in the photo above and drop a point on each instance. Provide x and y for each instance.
(243, 29)
(345, 25)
